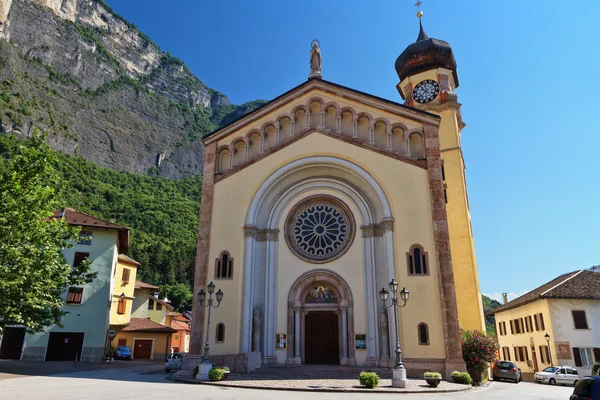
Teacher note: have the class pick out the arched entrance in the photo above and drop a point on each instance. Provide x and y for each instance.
(320, 320)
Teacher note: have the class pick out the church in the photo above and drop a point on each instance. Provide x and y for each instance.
(314, 202)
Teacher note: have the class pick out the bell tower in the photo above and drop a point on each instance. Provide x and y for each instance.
(428, 80)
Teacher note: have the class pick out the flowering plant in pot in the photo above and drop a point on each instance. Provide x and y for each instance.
(433, 379)
(478, 351)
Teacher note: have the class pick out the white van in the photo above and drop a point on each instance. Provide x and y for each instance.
(174, 361)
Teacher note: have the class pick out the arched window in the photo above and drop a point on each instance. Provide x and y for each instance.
(224, 266)
(423, 334)
(220, 334)
(418, 262)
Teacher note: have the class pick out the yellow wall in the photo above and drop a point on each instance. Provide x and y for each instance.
(466, 275)
(160, 349)
(524, 339)
(413, 224)
(119, 288)
(158, 316)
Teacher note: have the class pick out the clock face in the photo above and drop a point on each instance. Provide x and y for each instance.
(426, 91)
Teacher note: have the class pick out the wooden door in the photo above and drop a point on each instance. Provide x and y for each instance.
(64, 346)
(12, 343)
(142, 349)
(321, 341)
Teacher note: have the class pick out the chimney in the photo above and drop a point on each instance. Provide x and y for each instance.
(505, 298)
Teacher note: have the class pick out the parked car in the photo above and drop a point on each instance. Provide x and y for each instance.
(123, 353)
(557, 375)
(596, 369)
(174, 361)
(588, 388)
(506, 370)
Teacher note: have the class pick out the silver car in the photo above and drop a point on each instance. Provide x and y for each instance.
(558, 375)
(506, 370)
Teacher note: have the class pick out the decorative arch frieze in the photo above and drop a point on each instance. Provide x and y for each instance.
(359, 133)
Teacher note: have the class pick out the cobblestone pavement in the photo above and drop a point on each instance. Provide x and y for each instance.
(334, 384)
(143, 383)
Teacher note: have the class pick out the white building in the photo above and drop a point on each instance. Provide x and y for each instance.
(567, 309)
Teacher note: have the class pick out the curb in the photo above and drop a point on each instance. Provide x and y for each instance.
(331, 390)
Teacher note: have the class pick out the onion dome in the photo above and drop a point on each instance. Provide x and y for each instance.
(425, 54)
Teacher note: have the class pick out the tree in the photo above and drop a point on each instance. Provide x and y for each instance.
(33, 270)
(478, 350)
(180, 295)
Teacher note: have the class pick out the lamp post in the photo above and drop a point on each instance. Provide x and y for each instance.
(547, 337)
(209, 304)
(399, 371)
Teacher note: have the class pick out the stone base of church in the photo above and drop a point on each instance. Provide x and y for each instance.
(416, 367)
(269, 360)
(241, 363)
(384, 362)
(371, 362)
(293, 361)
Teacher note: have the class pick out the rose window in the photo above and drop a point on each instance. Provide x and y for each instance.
(319, 231)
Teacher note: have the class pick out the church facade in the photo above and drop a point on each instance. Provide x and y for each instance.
(314, 202)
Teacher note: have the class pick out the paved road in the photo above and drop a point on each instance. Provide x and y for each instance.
(143, 383)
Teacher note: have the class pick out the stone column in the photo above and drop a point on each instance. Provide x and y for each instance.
(385, 339)
(308, 124)
(441, 236)
(372, 134)
(354, 127)
(277, 135)
(250, 234)
(202, 260)
(262, 144)
(388, 135)
(323, 119)
(371, 295)
(407, 144)
(387, 226)
(338, 123)
(246, 147)
(270, 325)
(257, 324)
(297, 356)
(344, 336)
(292, 127)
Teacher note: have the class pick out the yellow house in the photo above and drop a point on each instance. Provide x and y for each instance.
(123, 292)
(314, 202)
(567, 310)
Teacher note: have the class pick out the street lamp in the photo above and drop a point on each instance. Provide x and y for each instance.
(404, 294)
(202, 297)
(547, 337)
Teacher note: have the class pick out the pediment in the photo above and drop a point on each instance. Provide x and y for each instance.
(389, 128)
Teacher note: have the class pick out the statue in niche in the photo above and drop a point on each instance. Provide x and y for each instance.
(315, 60)
(257, 319)
(383, 321)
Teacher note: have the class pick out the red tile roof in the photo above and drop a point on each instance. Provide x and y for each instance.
(143, 285)
(179, 325)
(146, 325)
(74, 217)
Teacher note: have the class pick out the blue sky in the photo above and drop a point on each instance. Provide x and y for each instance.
(528, 84)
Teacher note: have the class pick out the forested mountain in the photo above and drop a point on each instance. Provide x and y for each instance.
(126, 117)
(490, 322)
(103, 89)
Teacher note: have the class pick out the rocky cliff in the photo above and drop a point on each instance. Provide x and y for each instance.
(103, 89)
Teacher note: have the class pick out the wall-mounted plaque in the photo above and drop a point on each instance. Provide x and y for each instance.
(281, 341)
(360, 342)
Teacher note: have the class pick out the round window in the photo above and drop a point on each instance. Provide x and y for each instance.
(319, 229)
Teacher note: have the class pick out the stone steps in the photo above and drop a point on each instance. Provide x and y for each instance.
(320, 371)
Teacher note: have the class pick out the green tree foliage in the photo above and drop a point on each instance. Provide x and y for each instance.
(180, 295)
(490, 321)
(162, 213)
(33, 270)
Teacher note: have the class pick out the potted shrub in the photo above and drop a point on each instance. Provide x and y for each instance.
(226, 372)
(478, 351)
(368, 379)
(433, 379)
(216, 374)
(461, 377)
